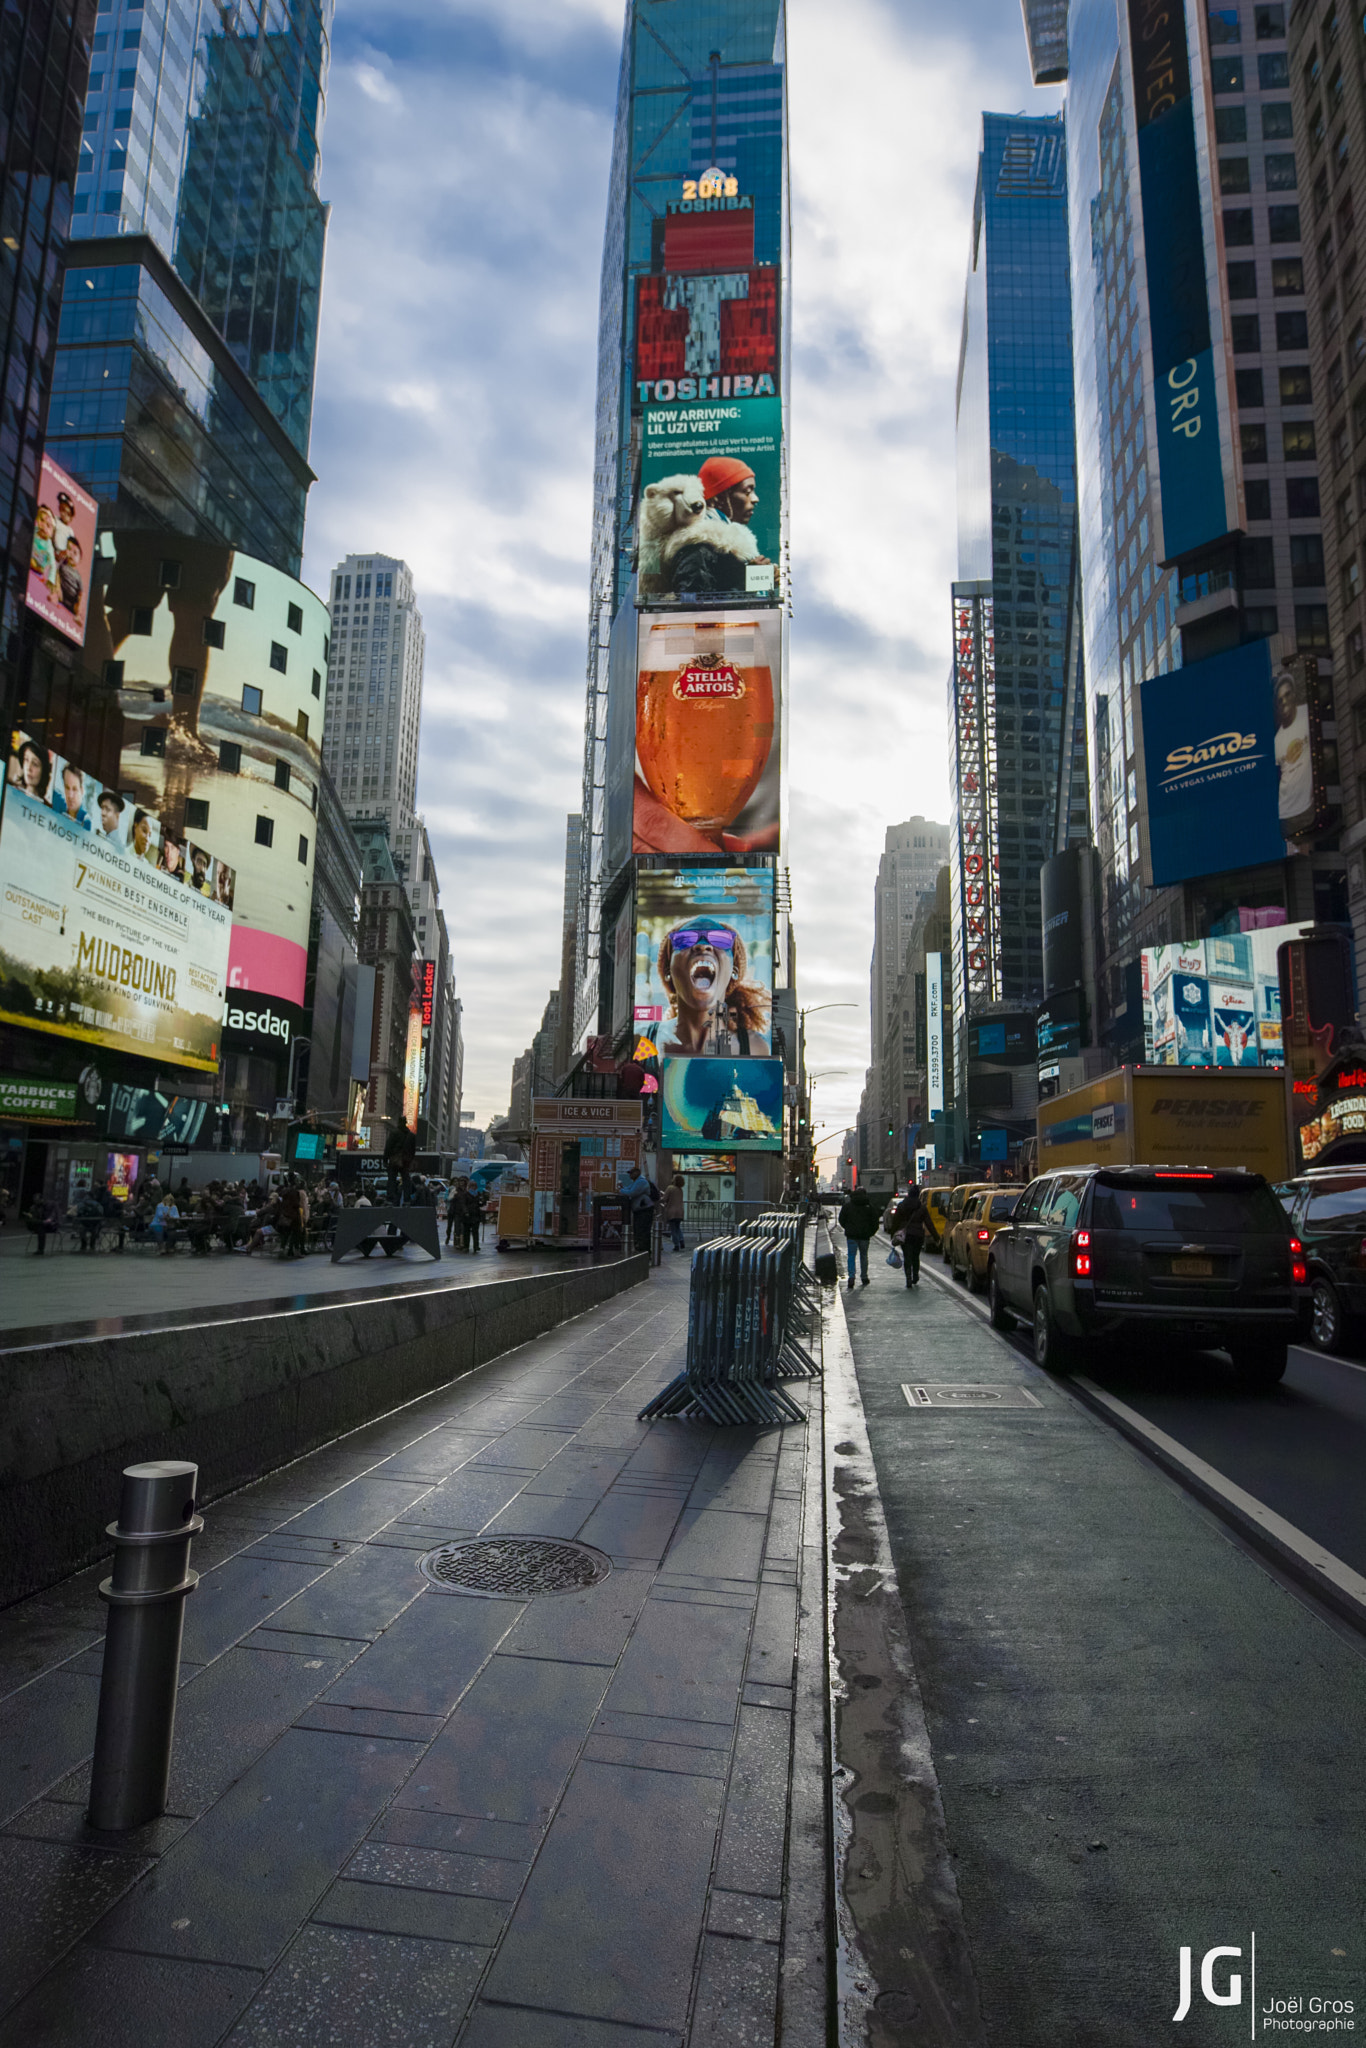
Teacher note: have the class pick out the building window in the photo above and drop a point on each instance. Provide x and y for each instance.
(230, 757)
(1253, 438)
(1258, 493)
(1296, 388)
(1273, 72)
(1302, 497)
(1292, 331)
(265, 831)
(282, 775)
(244, 593)
(1248, 384)
(1297, 441)
(1237, 227)
(301, 725)
(303, 850)
(1347, 514)
(1246, 329)
(1341, 444)
(1351, 580)
(113, 674)
(1226, 74)
(1306, 560)
(1259, 621)
(1223, 25)
(1230, 124)
(213, 633)
(1259, 564)
(1280, 171)
(1356, 661)
(141, 623)
(196, 814)
(1234, 175)
(294, 618)
(1311, 628)
(1270, 23)
(1283, 223)
(184, 681)
(251, 699)
(1242, 280)
(154, 741)
(169, 575)
(1287, 277)
(1277, 121)
(279, 657)
(317, 684)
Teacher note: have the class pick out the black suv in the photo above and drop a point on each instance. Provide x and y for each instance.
(1327, 1211)
(1202, 1255)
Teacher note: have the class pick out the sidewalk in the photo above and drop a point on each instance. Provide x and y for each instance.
(1142, 1739)
(401, 1815)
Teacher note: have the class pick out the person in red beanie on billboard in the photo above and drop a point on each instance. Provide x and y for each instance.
(709, 557)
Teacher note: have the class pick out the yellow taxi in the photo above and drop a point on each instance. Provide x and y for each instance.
(959, 1198)
(934, 1206)
(983, 1214)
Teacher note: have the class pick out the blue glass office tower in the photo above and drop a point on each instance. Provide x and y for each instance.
(1017, 731)
(701, 88)
(184, 386)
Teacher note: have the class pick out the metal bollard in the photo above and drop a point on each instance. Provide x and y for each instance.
(146, 1596)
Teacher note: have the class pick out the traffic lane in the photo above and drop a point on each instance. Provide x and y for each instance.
(1299, 1449)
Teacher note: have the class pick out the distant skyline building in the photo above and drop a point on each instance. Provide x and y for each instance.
(442, 1048)
(912, 856)
(378, 647)
(183, 391)
(1017, 735)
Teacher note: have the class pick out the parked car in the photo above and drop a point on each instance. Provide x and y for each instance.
(983, 1215)
(957, 1202)
(1326, 1208)
(1201, 1256)
(934, 1205)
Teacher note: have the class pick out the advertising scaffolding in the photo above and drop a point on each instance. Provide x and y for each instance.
(114, 930)
(708, 733)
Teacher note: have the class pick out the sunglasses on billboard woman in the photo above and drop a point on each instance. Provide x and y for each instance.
(683, 942)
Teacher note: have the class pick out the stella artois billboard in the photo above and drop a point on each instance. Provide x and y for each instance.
(708, 727)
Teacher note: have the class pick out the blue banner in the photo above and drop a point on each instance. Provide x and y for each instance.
(1210, 771)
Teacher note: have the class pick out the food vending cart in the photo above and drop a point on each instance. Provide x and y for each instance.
(579, 1148)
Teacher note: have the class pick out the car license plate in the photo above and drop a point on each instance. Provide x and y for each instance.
(1194, 1269)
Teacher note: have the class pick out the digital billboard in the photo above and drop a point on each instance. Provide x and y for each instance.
(710, 519)
(61, 552)
(707, 334)
(1215, 1002)
(224, 693)
(704, 962)
(1212, 767)
(1302, 754)
(113, 930)
(722, 1105)
(708, 726)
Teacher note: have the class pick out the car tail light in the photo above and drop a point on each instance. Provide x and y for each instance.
(1081, 1254)
(1299, 1271)
(984, 1237)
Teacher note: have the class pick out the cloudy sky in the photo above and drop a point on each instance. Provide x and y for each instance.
(465, 156)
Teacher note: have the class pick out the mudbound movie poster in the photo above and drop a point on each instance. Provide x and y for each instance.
(108, 932)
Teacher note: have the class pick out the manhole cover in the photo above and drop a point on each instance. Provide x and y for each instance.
(968, 1395)
(514, 1567)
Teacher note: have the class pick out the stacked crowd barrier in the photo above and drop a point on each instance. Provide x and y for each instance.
(747, 1293)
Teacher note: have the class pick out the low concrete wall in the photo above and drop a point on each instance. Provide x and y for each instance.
(240, 1398)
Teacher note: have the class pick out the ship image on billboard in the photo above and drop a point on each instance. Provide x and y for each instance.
(704, 962)
(722, 1105)
(710, 524)
(61, 552)
(113, 928)
(708, 733)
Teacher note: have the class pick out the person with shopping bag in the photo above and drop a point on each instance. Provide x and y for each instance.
(905, 1225)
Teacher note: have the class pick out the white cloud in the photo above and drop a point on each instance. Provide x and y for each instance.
(454, 427)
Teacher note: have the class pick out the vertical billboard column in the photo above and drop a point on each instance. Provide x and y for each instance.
(708, 726)
(974, 677)
(1190, 462)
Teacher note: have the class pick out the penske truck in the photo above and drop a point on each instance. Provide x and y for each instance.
(1172, 1116)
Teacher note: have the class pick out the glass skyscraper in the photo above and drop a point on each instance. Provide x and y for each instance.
(1016, 700)
(702, 88)
(184, 385)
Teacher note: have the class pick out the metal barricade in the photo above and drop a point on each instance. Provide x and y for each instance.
(745, 1299)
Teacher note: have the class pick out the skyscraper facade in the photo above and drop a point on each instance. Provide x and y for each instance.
(370, 742)
(912, 856)
(1199, 501)
(692, 311)
(1016, 709)
(184, 386)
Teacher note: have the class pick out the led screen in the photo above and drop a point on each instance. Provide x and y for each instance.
(710, 501)
(722, 1105)
(708, 732)
(61, 552)
(704, 963)
(112, 930)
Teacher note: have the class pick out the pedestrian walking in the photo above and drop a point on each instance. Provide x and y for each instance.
(642, 1195)
(905, 1225)
(673, 1210)
(859, 1220)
